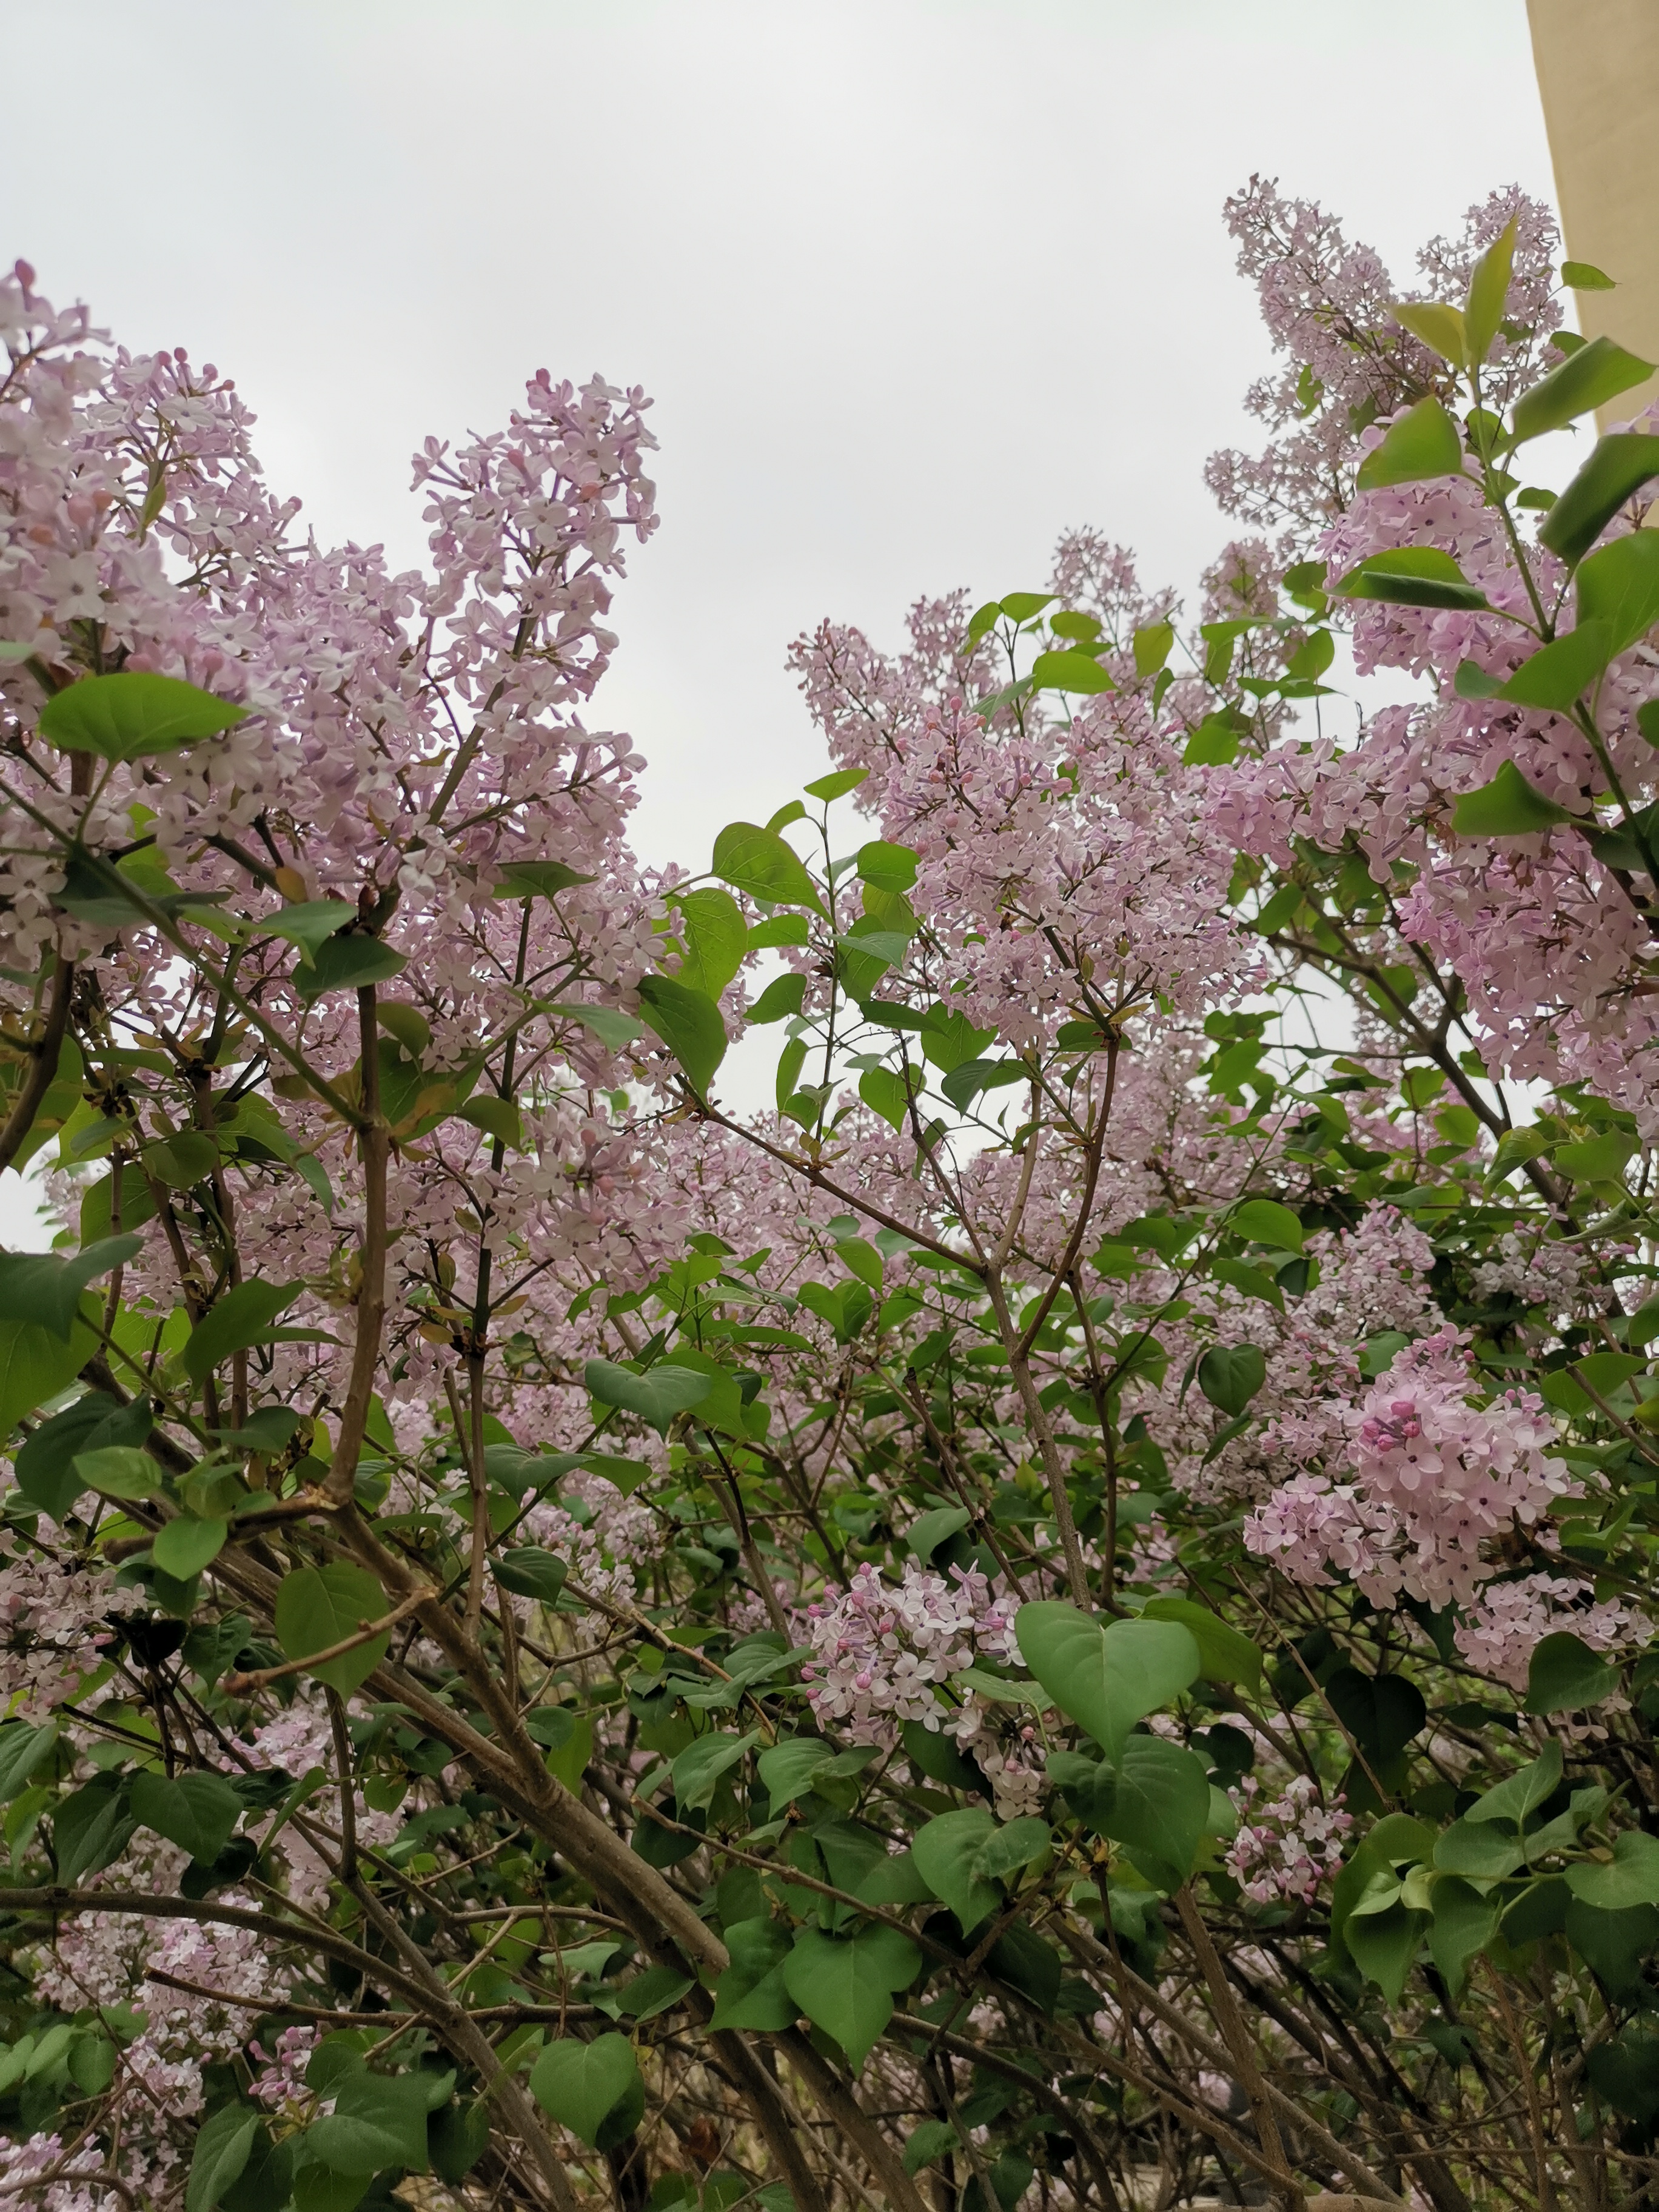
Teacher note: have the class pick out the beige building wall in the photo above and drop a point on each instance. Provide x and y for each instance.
(1598, 73)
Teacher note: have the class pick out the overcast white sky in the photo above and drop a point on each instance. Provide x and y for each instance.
(915, 284)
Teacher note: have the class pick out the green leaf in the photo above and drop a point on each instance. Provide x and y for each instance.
(688, 1023)
(697, 1771)
(1614, 1944)
(1225, 1656)
(844, 1985)
(614, 1029)
(224, 2143)
(715, 937)
(965, 1083)
(656, 1396)
(1159, 1808)
(781, 929)
(1254, 1282)
(885, 1092)
(581, 2084)
(888, 867)
(1412, 576)
(949, 1039)
(1105, 1680)
(751, 1994)
(1587, 379)
(1465, 1922)
(1381, 1712)
(186, 1544)
(1021, 606)
(1010, 1849)
(198, 1812)
(183, 1160)
(1585, 277)
(117, 1471)
(1632, 1879)
(1384, 1945)
(309, 924)
(656, 1990)
(536, 879)
(1508, 806)
(1556, 675)
(1424, 442)
(887, 946)
(1597, 1159)
(243, 1317)
(1069, 671)
(1625, 2071)
(21, 1750)
(90, 1829)
(1478, 1850)
(836, 784)
(932, 2140)
(1440, 328)
(1565, 1675)
(347, 963)
(783, 995)
(531, 1572)
(944, 1849)
(787, 1768)
(1617, 468)
(757, 861)
(497, 1117)
(317, 2187)
(1230, 1375)
(379, 2120)
(1472, 681)
(1213, 743)
(45, 1464)
(1618, 586)
(1264, 1221)
(929, 1530)
(457, 2138)
(1152, 646)
(1488, 290)
(35, 1364)
(38, 1288)
(319, 1606)
(123, 717)
(1520, 1793)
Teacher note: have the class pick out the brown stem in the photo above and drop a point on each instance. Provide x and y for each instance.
(370, 1291)
(1236, 2036)
(44, 1056)
(761, 2093)
(336, 1715)
(1342, 2156)
(464, 2037)
(239, 1685)
(855, 2123)
(1077, 1575)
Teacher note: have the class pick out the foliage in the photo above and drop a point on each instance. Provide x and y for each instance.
(1074, 1597)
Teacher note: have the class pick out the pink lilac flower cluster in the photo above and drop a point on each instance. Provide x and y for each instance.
(1008, 1752)
(1286, 1846)
(298, 1739)
(41, 2171)
(1435, 1477)
(107, 1958)
(281, 2078)
(601, 1535)
(56, 1623)
(1500, 1634)
(880, 1655)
